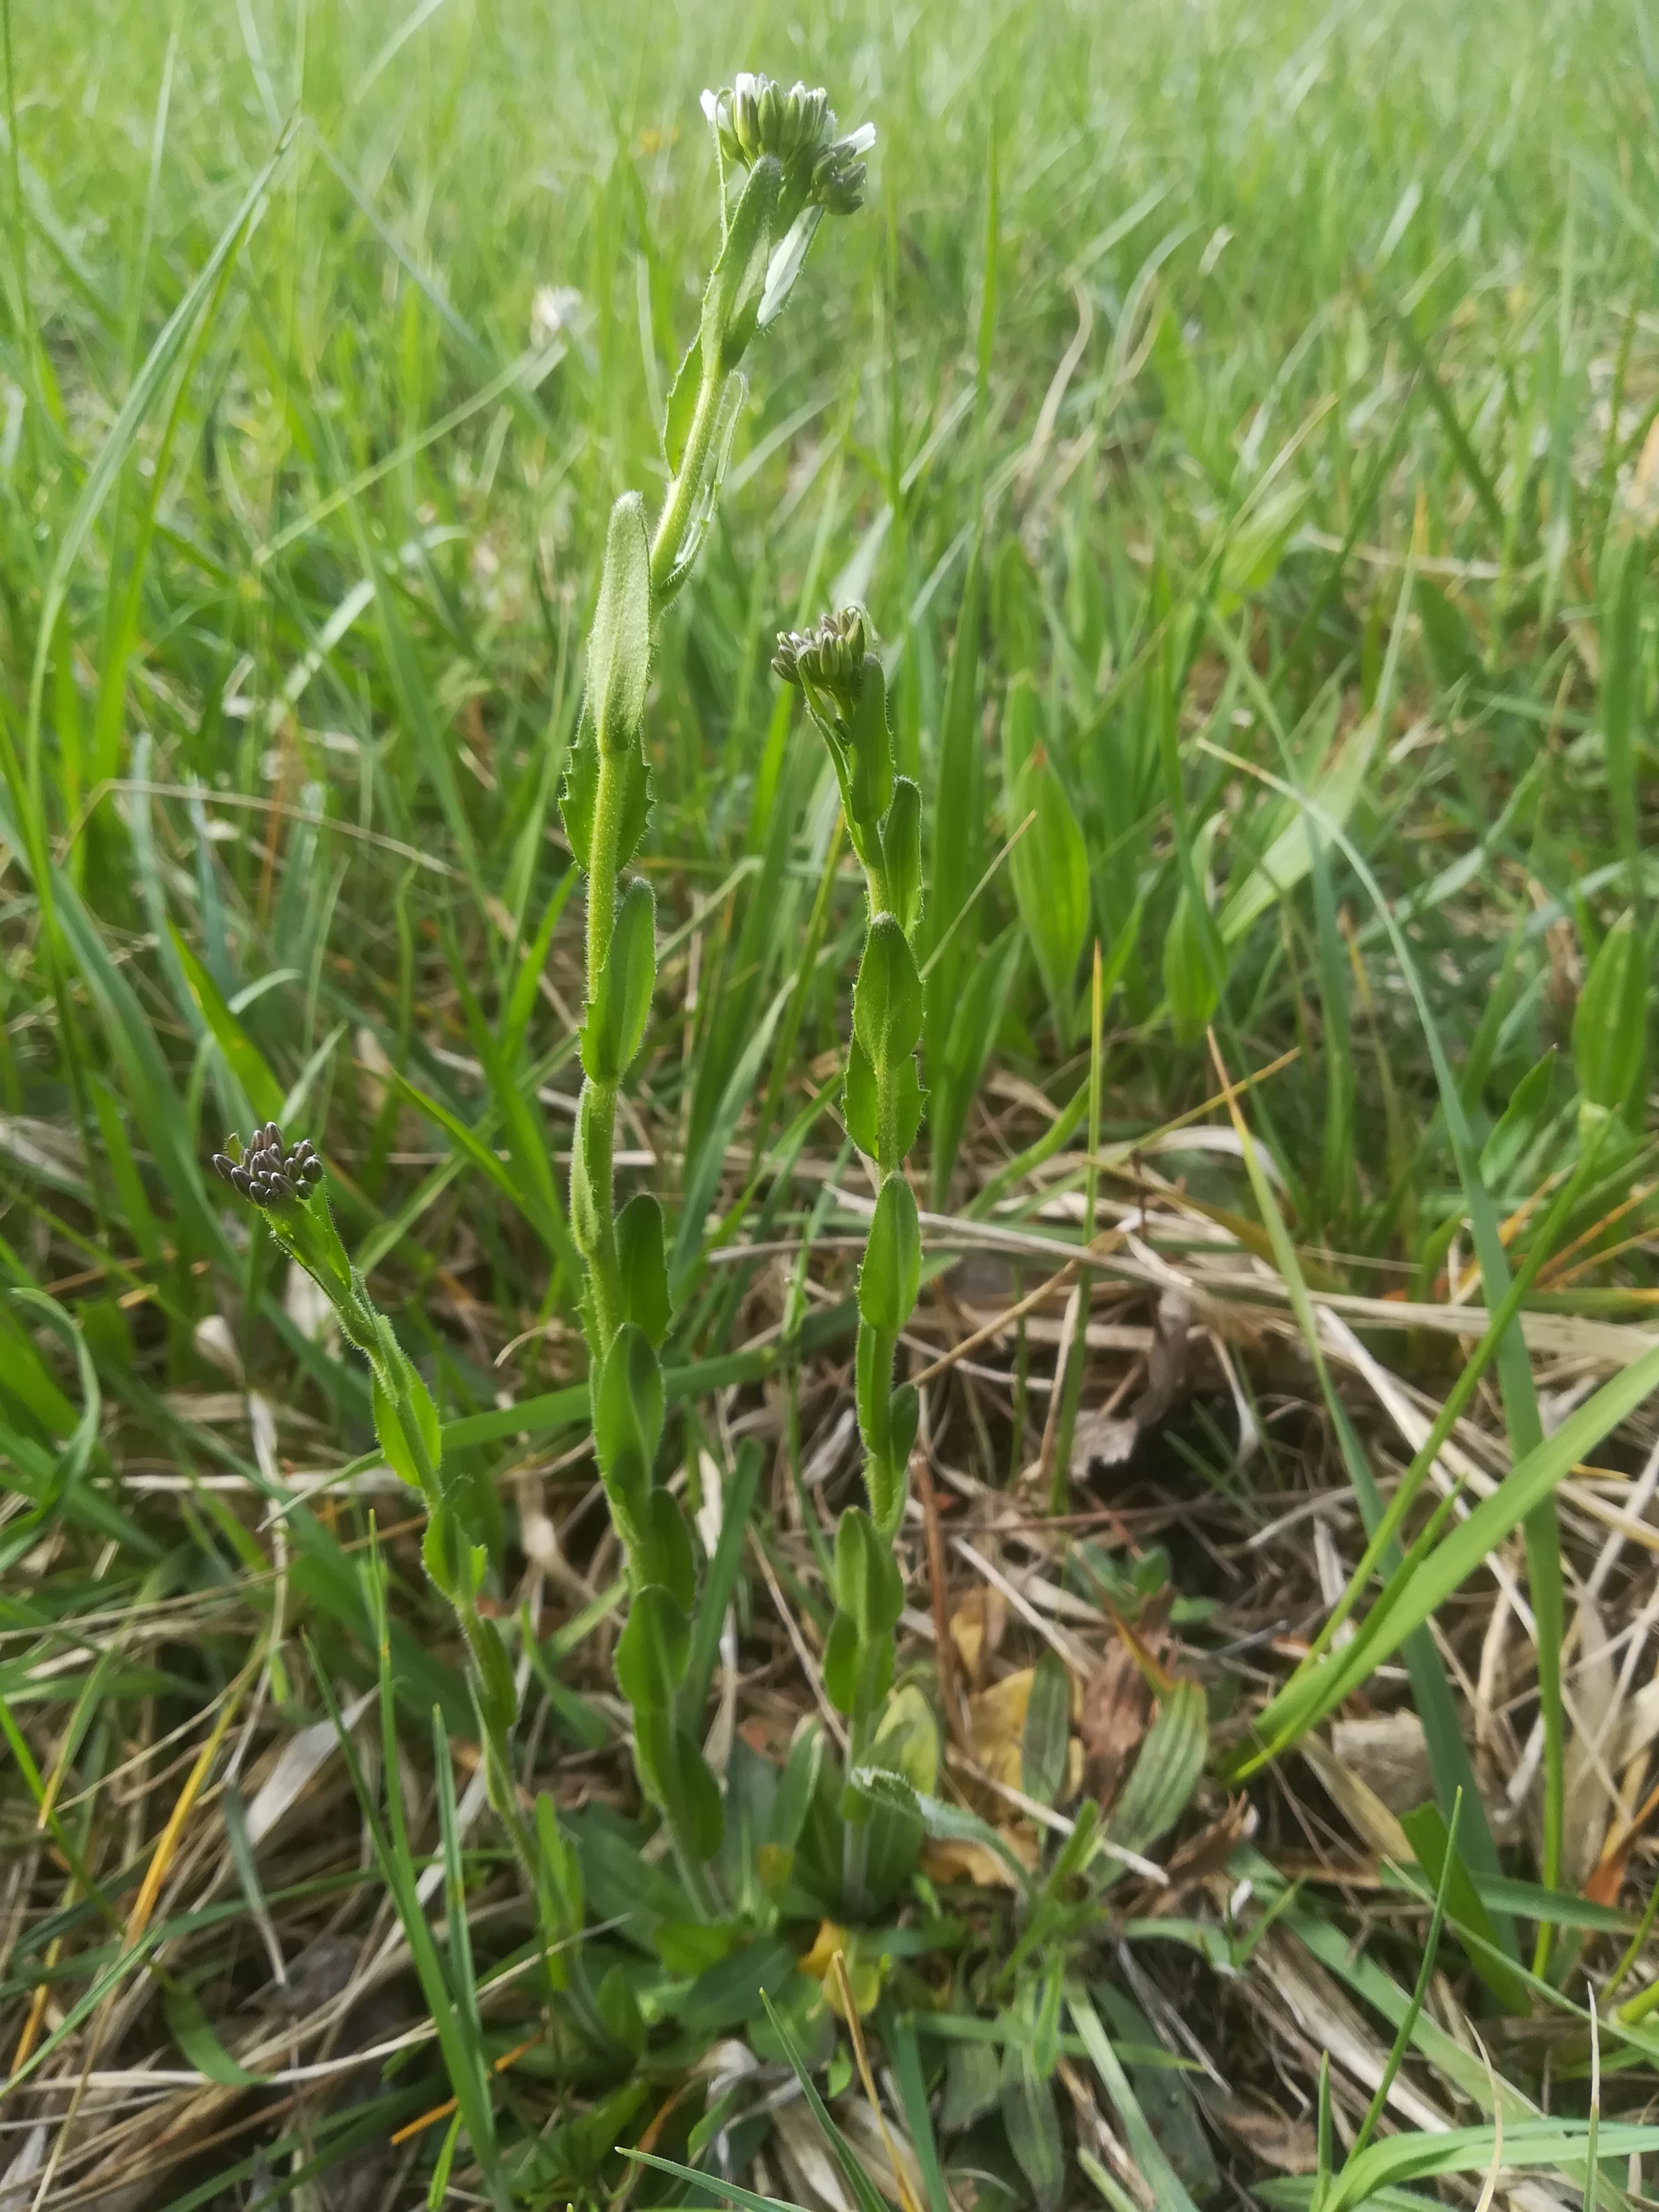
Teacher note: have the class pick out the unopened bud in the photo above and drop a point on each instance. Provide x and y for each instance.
(829, 657)
(269, 1173)
(756, 117)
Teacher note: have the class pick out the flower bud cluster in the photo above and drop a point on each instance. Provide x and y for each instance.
(269, 1172)
(756, 117)
(830, 656)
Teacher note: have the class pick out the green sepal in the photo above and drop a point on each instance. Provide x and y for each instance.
(666, 1552)
(580, 796)
(891, 1273)
(900, 845)
(644, 1267)
(731, 306)
(653, 1650)
(870, 748)
(682, 405)
(887, 996)
(622, 1003)
(619, 645)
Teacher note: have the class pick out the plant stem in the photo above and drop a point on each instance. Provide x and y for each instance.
(855, 1823)
(683, 492)
(610, 798)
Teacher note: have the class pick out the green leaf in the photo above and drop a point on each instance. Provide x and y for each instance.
(559, 1872)
(1519, 1124)
(786, 262)
(621, 1005)
(870, 780)
(973, 1021)
(859, 1104)
(580, 795)
(653, 1650)
(1033, 2127)
(1166, 1773)
(619, 2008)
(644, 1266)
(680, 1778)
(1046, 1737)
(404, 1423)
(866, 2197)
(1444, 1865)
(242, 1056)
(798, 1786)
(682, 405)
(901, 846)
(628, 1417)
(1168, 2192)
(731, 306)
(906, 1740)
(1609, 1025)
(731, 2191)
(196, 2038)
(666, 1554)
(972, 2083)
(1191, 982)
(957, 850)
(887, 997)
(629, 1408)
(729, 1993)
(869, 1587)
(1289, 856)
(1431, 1570)
(1048, 866)
(890, 1276)
(619, 645)
(720, 1581)
(1623, 588)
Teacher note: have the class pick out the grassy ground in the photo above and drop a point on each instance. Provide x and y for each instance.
(1242, 410)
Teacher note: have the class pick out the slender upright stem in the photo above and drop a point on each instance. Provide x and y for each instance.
(670, 537)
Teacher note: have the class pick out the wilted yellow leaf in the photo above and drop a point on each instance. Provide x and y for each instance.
(863, 1974)
(997, 1719)
(966, 1861)
(976, 1630)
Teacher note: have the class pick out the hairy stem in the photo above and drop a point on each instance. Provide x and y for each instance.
(666, 545)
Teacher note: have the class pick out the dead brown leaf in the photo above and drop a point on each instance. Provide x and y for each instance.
(1199, 1858)
(1117, 1704)
(1289, 2146)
